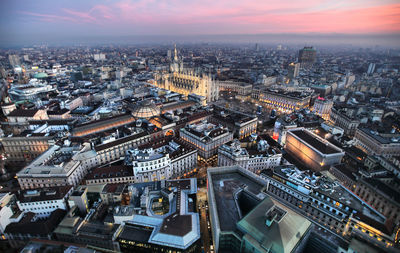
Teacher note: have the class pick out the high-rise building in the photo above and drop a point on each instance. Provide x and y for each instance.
(371, 68)
(307, 57)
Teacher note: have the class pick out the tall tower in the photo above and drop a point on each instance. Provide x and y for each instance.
(307, 57)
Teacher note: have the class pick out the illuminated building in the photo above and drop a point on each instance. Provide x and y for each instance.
(161, 161)
(206, 138)
(314, 152)
(236, 87)
(285, 100)
(145, 110)
(186, 82)
(322, 107)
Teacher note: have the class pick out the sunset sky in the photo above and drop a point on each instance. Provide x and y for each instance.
(24, 18)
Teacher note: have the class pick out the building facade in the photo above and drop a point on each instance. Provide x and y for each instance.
(313, 151)
(206, 138)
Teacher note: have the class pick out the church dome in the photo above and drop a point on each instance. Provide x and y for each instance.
(145, 110)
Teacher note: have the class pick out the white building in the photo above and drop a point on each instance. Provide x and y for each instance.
(169, 161)
(255, 157)
(43, 202)
(322, 107)
(58, 166)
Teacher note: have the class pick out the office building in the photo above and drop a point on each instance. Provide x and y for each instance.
(162, 161)
(255, 157)
(307, 57)
(374, 143)
(206, 138)
(240, 124)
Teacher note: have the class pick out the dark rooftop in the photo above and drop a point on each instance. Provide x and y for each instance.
(322, 147)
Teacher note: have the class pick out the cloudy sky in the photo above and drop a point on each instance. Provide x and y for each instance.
(25, 19)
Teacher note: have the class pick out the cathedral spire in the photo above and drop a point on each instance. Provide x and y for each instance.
(175, 54)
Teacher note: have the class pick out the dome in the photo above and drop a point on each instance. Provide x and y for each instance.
(145, 109)
(40, 75)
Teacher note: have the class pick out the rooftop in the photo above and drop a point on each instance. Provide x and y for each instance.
(44, 194)
(313, 140)
(225, 182)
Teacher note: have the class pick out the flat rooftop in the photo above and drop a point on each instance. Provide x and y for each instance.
(225, 185)
(315, 142)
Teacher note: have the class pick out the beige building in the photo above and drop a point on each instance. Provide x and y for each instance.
(374, 143)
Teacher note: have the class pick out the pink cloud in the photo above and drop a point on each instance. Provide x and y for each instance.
(251, 16)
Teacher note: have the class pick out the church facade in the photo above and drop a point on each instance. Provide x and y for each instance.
(188, 82)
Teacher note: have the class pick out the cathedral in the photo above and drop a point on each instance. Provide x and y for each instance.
(187, 82)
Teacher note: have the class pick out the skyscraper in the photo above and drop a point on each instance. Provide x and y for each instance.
(307, 57)
(371, 68)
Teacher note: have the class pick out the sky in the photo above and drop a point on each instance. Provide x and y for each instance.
(30, 20)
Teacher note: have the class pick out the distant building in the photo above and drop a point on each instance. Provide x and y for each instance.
(236, 87)
(371, 68)
(99, 57)
(14, 60)
(307, 57)
(293, 70)
(285, 100)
